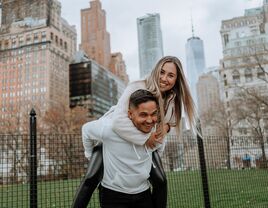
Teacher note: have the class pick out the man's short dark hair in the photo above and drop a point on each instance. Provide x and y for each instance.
(141, 96)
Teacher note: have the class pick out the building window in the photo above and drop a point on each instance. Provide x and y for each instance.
(65, 46)
(237, 43)
(248, 75)
(260, 74)
(43, 34)
(226, 39)
(6, 44)
(236, 76)
(243, 131)
(13, 43)
(28, 39)
(262, 28)
(44, 37)
(20, 40)
(35, 37)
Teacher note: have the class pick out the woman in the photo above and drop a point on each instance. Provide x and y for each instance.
(168, 83)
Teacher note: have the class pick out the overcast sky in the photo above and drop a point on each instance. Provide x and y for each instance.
(175, 18)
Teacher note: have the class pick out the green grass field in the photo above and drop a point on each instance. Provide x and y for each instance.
(228, 188)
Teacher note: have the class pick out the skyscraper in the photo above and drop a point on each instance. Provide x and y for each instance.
(36, 47)
(208, 98)
(195, 61)
(95, 40)
(118, 66)
(149, 41)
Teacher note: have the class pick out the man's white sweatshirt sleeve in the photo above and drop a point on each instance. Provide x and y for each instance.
(91, 131)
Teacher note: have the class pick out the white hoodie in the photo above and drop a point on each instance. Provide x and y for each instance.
(126, 166)
(123, 126)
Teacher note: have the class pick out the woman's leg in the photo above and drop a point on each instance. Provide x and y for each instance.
(91, 180)
(159, 182)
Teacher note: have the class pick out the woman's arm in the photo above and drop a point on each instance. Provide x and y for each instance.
(122, 125)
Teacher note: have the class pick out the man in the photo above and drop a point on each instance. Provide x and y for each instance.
(126, 166)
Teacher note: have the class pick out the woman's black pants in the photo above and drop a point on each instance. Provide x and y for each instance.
(95, 172)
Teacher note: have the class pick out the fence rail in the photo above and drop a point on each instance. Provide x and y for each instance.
(235, 173)
(44, 170)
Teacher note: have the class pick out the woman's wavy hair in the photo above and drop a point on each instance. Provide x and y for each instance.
(181, 89)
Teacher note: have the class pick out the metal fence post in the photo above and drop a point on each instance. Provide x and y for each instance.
(33, 161)
(203, 167)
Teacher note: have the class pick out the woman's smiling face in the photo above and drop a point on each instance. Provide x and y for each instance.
(168, 76)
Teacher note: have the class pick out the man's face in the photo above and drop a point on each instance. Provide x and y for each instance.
(144, 117)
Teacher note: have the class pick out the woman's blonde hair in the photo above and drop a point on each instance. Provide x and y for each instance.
(181, 89)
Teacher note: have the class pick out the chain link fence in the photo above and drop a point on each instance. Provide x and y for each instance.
(236, 171)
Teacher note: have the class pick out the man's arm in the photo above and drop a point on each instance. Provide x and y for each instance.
(91, 131)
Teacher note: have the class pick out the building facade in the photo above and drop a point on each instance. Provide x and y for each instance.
(208, 98)
(149, 42)
(244, 64)
(243, 71)
(95, 40)
(195, 62)
(118, 66)
(36, 48)
(94, 87)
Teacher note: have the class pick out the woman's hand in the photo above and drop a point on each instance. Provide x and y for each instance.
(166, 129)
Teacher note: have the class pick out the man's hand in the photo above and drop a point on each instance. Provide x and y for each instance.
(157, 137)
(153, 140)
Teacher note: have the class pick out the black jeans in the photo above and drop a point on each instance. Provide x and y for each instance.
(114, 199)
(95, 172)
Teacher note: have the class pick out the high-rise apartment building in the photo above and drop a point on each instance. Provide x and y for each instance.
(149, 41)
(208, 98)
(195, 62)
(95, 40)
(244, 68)
(118, 66)
(36, 47)
(244, 42)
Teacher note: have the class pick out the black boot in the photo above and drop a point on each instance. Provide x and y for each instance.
(91, 180)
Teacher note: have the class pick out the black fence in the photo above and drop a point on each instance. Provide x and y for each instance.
(235, 172)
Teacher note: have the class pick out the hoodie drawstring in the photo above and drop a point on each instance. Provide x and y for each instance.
(136, 152)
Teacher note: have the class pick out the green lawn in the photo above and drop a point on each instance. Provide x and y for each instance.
(228, 188)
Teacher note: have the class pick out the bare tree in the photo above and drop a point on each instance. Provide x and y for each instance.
(219, 118)
(62, 119)
(250, 106)
(14, 140)
(62, 126)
